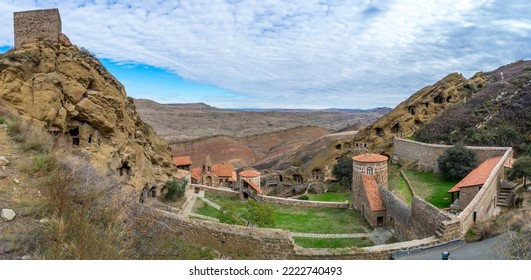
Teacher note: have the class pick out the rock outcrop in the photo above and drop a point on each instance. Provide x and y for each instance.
(68, 91)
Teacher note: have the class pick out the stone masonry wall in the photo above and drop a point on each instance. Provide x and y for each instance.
(427, 154)
(425, 219)
(398, 213)
(484, 203)
(223, 191)
(31, 26)
(303, 203)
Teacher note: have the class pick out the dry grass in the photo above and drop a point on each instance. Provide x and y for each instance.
(87, 215)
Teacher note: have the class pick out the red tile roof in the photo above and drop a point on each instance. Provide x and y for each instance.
(181, 161)
(369, 158)
(373, 193)
(196, 173)
(478, 176)
(222, 170)
(234, 177)
(257, 188)
(250, 173)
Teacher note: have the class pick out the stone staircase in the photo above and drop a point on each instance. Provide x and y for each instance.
(507, 194)
(255, 197)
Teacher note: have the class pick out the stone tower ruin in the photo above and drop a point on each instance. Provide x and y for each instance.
(36, 25)
(370, 164)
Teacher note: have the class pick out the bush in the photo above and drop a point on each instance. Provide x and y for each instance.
(521, 168)
(2, 120)
(228, 214)
(30, 136)
(259, 214)
(343, 171)
(456, 162)
(296, 163)
(304, 197)
(42, 162)
(175, 189)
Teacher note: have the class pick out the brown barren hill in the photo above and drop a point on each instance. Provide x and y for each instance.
(246, 151)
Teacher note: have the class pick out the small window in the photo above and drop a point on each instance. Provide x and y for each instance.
(369, 170)
(474, 217)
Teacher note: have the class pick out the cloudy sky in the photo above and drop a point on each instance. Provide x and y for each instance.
(292, 53)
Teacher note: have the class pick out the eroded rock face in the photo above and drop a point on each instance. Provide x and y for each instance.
(70, 93)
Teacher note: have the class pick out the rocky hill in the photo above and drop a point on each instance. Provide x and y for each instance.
(66, 90)
(406, 118)
(498, 115)
(247, 150)
(180, 122)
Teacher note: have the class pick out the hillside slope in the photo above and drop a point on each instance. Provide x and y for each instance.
(247, 150)
(67, 91)
(498, 115)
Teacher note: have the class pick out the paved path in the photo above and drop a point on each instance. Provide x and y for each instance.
(481, 250)
(209, 202)
(379, 236)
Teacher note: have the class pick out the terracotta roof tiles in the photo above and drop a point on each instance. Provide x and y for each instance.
(196, 173)
(253, 185)
(181, 161)
(222, 170)
(373, 193)
(370, 158)
(250, 173)
(478, 176)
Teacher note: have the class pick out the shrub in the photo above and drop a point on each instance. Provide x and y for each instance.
(343, 170)
(42, 162)
(259, 214)
(176, 188)
(456, 162)
(30, 136)
(521, 168)
(2, 120)
(228, 214)
(304, 197)
(296, 163)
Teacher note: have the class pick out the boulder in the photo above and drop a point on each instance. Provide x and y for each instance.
(3, 161)
(8, 214)
(3, 174)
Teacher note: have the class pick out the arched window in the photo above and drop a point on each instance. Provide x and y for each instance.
(369, 170)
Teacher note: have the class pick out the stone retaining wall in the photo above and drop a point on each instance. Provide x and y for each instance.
(223, 191)
(426, 155)
(303, 203)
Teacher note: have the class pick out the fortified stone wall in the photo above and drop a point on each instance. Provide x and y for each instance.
(425, 219)
(37, 25)
(242, 242)
(398, 212)
(427, 154)
(484, 203)
(421, 220)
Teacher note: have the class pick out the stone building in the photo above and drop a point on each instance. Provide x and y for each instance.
(214, 175)
(183, 163)
(369, 172)
(249, 181)
(469, 186)
(37, 25)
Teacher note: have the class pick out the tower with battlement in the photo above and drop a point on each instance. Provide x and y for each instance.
(36, 25)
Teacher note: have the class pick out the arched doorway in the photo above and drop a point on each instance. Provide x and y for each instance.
(208, 180)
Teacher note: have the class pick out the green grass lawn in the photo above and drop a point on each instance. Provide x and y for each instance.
(331, 197)
(432, 187)
(203, 208)
(308, 242)
(397, 184)
(309, 220)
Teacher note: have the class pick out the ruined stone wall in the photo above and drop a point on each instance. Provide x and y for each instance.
(484, 203)
(303, 203)
(427, 154)
(37, 25)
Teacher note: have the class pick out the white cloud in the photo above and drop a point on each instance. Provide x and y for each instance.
(310, 52)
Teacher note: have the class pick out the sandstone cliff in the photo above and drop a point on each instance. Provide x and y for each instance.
(68, 91)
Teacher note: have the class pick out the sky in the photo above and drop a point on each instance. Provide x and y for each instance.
(289, 54)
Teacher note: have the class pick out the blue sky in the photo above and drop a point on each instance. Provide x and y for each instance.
(289, 54)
